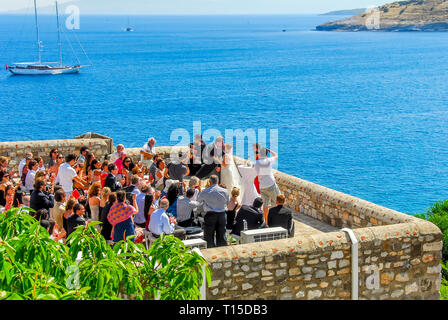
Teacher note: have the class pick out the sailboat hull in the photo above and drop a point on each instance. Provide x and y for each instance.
(32, 71)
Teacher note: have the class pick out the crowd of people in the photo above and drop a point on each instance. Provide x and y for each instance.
(201, 191)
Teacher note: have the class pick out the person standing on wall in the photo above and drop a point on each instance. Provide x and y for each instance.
(268, 186)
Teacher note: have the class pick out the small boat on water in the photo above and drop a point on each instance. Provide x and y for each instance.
(129, 28)
(39, 67)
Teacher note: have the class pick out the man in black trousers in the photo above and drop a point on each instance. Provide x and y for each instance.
(215, 201)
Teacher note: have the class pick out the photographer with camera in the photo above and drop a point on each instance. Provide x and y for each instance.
(42, 196)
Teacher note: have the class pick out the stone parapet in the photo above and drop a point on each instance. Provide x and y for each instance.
(17, 150)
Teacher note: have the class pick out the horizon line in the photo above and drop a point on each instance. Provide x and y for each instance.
(173, 14)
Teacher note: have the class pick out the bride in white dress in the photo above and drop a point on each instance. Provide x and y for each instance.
(230, 175)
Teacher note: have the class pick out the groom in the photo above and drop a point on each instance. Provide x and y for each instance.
(210, 165)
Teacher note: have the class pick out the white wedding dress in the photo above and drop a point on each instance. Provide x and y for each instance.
(229, 174)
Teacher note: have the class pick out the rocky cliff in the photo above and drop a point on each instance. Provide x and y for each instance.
(412, 15)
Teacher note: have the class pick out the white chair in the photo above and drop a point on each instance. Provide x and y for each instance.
(149, 238)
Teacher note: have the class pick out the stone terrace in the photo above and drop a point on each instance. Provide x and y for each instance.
(398, 255)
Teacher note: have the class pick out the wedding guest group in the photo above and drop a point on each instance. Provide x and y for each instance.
(201, 190)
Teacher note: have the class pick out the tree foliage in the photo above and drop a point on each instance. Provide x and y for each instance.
(438, 214)
(34, 267)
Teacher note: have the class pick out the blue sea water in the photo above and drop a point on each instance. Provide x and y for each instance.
(362, 113)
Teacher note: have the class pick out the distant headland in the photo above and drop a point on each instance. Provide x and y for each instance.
(344, 12)
(412, 15)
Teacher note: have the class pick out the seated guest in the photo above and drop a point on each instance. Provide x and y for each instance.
(24, 171)
(41, 197)
(94, 199)
(53, 158)
(232, 207)
(104, 172)
(40, 215)
(214, 200)
(173, 192)
(160, 173)
(111, 180)
(194, 184)
(152, 168)
(76, 219)
(23, 163)
(253, 216)
(82, 154)
(121, 217)
(29, 179)
(40, 164)
(281, 216)
(69, 205)
(133, 186)
(59, 208)
(114, 156)
(126, 171)
(106, 227)
(54, 169)
(119, 162)
(144, 203)
(160, 222)
(185, 209)
(178, 169)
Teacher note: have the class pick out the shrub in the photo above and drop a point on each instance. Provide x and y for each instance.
(34, 267)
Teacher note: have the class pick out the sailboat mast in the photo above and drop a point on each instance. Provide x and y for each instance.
(37, 32)
(59, 35)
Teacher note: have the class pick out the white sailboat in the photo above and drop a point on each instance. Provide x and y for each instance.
(39, 67)
(129, 28)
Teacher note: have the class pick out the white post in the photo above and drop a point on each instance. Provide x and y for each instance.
(203, 289)
(355, 284)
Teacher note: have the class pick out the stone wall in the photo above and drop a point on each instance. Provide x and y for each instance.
(16, 151)
(333, 207)
(395, 262)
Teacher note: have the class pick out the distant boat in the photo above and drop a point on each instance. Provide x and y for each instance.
(39, 67)
(129, 28)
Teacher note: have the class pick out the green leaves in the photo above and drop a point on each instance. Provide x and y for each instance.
(32, 266)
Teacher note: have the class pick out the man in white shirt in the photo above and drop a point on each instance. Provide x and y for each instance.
(186, 207)
(67, 174)
(268, 186)
(114, 156)
(29, 156)
(29, 180)
(160, 222)
(148, 152)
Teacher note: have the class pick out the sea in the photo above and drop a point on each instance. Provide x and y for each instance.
(362, 113)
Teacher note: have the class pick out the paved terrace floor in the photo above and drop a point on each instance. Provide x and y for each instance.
(306, 225)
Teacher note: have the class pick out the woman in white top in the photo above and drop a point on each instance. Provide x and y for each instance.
(94, 200)
(160, 174)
